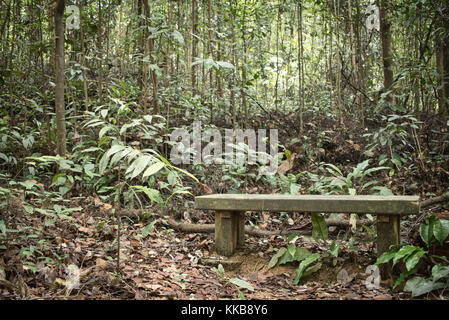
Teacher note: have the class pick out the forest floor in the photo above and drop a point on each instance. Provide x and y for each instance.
(157, 262)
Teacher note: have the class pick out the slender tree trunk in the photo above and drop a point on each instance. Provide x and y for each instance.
(355, 69)
(218, 55)
(83, 53)
(276, 86)
(387, 56)
(100, 53)
(234, 62)
(442, 56)
(339, 62)
(300, 67)
(194, 43)
(59, 76)
(244, 68)
(150, 51)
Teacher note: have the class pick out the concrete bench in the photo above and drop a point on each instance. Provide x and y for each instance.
(230, 213)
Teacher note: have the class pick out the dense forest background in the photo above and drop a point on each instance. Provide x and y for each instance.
(359, 91)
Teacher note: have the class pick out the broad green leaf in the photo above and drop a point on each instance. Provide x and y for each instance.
(291, 249)
(312, 269)
(104, 130)
(335, 168)
(419, 286)
(334, 249)
(140, 164)
(301, 254)
(153, 194)
(385, 257)
(241, 283)
(105, 159)
(292, 236)
(286, 258)
(413, 260)
(403, 252)
(320, 230)
(441, 230)
(171, 178)
(146, 231)
(154, 168)
(404, 276)
(303, 265)
(426, 230)
(338, 181)
(439, 272)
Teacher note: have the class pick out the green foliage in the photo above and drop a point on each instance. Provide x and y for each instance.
(291, 253)
(431, 231)
(238, 283)
(393, 140)
(438, 280)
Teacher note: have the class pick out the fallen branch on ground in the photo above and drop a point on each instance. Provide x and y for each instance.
(210, 228)
(431, 201)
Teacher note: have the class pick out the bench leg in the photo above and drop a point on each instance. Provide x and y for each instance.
(240, 220)
(388, 233)
(225, 232)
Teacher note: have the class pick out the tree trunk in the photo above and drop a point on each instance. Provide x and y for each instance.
(194, 43)
(149, 50)
(59, 76)
(387, 56)
(100, 51)
(300, 67)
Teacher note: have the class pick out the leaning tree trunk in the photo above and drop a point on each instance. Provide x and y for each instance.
(59, 76)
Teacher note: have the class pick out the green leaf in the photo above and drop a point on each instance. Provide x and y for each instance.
(312, 269)
(146, 231)
(153, 194)
(274, 260)
(303, 265)
(334, 249)
(385, 257)
(419, 286)
(405, 251)
(404, 276)
(291, 249)
(286, 258)
(335, 168)
(320, 230)
(301, 254)
(426, 230)
(171, 178)
(413, 260)
(105, 159)
(241, 283)
(439, 272)
(139, 165)
(2, 227)
(441, 230)
(292, 236)
(153, 169)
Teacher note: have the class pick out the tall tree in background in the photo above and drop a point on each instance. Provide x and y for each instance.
(59, 76)
(442, 58)
(194, 42)
(300, 67)
(387, 55)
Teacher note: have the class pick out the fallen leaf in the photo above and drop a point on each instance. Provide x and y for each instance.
(101, 264)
